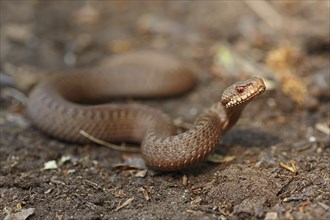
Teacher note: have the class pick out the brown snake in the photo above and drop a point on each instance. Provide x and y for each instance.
(55, 107)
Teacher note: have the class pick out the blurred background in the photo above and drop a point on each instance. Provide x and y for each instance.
(224, 38)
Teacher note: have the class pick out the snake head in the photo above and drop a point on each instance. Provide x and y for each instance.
(242, 91)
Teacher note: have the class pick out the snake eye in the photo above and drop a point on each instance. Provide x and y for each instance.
(240, 89)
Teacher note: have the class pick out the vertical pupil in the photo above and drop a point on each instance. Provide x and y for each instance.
(240, 89)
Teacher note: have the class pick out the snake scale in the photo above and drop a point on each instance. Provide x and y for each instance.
(55, 106)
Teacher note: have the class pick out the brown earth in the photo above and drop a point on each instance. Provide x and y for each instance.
(275, 161)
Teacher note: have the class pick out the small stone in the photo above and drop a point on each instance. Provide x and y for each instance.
(271, 216)
(87, 16)
(18, 33)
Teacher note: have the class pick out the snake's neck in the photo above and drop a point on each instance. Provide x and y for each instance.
(228, 116)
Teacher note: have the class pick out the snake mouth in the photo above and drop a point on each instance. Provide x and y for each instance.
(242, 92)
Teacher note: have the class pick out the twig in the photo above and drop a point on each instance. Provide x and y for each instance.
(109, 145)
(266, 12)
(181, 124)
(127, 202)
(293, 168)
(16, 94)
(323, 128)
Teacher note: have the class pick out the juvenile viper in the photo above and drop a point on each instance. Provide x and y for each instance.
(55, 107)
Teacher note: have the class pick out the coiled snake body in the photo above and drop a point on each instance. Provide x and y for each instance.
(54, 107)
